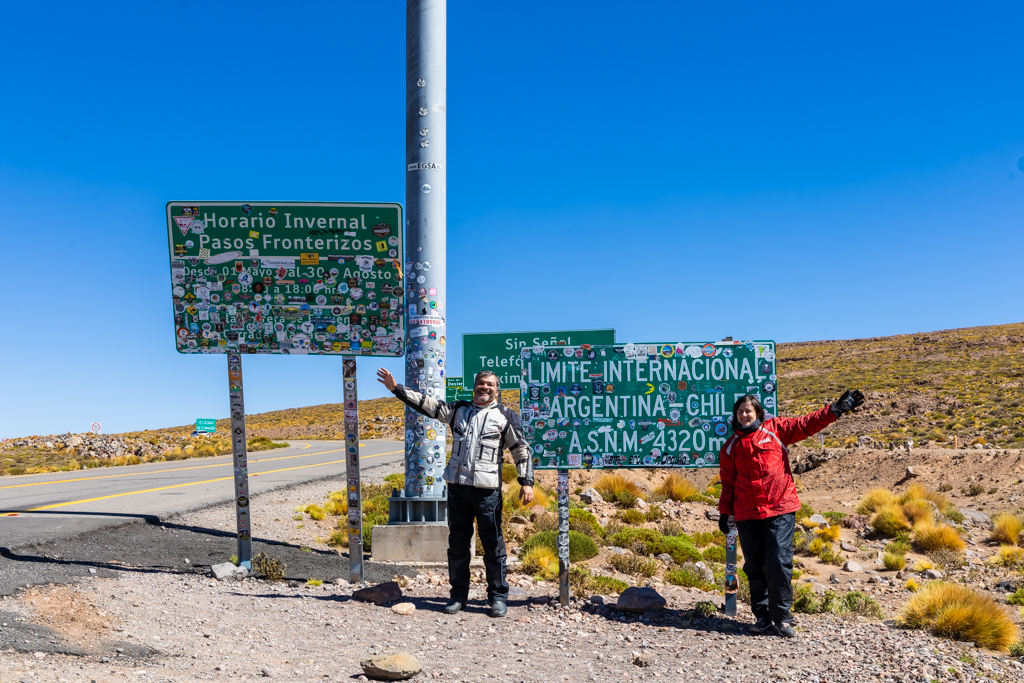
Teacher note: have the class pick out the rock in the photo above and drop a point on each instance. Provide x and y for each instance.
(852, 566)
(519, 530)
(900, 575)
(639, 600)
(819, 519)
(834, 578)
(855, 522)
(590, 496)
(228, 572)
(976, 517)
(537, 510)
(518, 519)
(700, 569)
(876, 579)
(379, 594)
(666, 558)
(913, 473)
(712, 514)
(615, 550)
(597, 599)
(931, 574)
(393, 667)
(403, 608)
(848, 547)
(819, 589)
(268, 672)
(643, 659)
(642, 505)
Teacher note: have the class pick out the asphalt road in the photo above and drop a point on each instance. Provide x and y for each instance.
(39, 508)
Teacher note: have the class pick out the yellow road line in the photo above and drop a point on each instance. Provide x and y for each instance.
(171, 469)
(195, 483)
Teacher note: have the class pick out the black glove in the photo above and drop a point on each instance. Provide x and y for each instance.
(723, 524)
(847, 402)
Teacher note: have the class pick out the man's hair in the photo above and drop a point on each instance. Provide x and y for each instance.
(752, 400)
(486, 373)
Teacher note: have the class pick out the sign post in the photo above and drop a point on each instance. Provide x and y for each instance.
(634, 406)
(563, 537)
(240, 460)
(355, 492)
(500, 352)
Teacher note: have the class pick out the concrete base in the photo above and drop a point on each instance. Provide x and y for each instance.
(410, 543)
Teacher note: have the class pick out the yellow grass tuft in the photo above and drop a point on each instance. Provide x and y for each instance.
(816, 546)
(829, 533)
(1008, 556)
(675, 487)
(874, 500)
(919, 492)
(923, 565)
(715, 479)
(890, 520)
(336, 508)
(918, 511)
(541, 561)
(929, 537)
(912, 585)
(958, 612)
(1006, 528)
(894, 562)
(611, 484)
(315, 512)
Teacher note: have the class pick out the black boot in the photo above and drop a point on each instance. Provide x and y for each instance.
(453, 607)
(498, 608)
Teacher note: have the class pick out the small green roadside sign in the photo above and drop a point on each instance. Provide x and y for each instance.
(454, 391)
(287, 278)
(640, 405)
(500, 352)
(204, 424)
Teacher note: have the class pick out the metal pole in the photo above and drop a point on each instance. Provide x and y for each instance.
(563, 537)
(355, 493)
(240, 460)
(425, 239)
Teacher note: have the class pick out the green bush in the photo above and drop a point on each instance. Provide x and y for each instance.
(584, 522)
(805, 511)
(680, 548)
(1017, 597)
(715, 553)
(954, 515)
(854, 602)
(631, 516)
(835, 518)
(581, 546)
(706, 538)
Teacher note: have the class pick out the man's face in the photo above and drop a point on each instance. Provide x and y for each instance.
(485, 389)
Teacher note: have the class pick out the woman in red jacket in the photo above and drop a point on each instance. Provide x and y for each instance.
(758, 492)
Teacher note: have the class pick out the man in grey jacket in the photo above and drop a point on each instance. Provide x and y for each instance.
(481, 428)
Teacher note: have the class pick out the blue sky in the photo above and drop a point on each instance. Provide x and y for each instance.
(672, 170)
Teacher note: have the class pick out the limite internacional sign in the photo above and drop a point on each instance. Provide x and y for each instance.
(639, 405)
(294, 278)
(500, 352)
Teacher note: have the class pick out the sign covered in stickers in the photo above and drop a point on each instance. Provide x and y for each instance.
(295, 278)
(639, 405)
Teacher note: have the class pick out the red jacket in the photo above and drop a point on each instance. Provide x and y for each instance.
(756, 479)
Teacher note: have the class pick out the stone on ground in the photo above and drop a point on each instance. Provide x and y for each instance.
(643, 659)
(852, 566)
(819, 519)
(638, 600)
(228, 572)
(404, 608)
(591, 496)
(380, 594)
(393, 667)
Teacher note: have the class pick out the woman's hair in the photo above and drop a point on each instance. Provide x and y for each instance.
(752, 400)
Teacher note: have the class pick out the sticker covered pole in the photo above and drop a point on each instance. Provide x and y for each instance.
(354, 487)
(425, 196)
(240, 460)
(562, 540)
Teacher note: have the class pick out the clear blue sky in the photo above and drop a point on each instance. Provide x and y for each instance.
(672, 170)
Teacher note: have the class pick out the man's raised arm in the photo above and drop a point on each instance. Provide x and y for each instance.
(422, 404)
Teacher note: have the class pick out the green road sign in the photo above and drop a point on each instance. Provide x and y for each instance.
(206, 425)
(454, 391)
(639, 405)
(295, 278)
(499, 352)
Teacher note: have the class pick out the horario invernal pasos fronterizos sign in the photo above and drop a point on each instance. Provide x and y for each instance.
(639, 405)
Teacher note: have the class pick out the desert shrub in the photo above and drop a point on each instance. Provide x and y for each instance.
(547, 521)
(338, 539)
(650, 542)
(835, 518)
(975, 490)
(899, 546)
(677, 487)
(715, 553)
(912, 585)
(1017, 649)
(508, 473)
(634, 565)
(861, 604)
(954, 515)
(268, 567)
(631, 516)
(584, 522)
(314, 583)
(894, 562)
(930, 537)
(670, 527)
(945, 558)
(540, 561)
(854, 603)
(919, 492)
(705, 608)
(1009, 556)
(917, 511)
(1006, 528)
(612, 486)
(923, 565)
(607, 584)
(874, 500)
(705, 538)
(955, 611)
(688, 577)
(315, 512)
(829, 533)
(889, 520)
(945, 488)
(335, 508)
(654, 513)
(806, 523)
(581, 546)
(1017, 597)
(828, 555)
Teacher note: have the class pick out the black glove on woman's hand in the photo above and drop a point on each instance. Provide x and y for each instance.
(847, 402)
(723, 524)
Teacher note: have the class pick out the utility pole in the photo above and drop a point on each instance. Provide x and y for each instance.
(424, 499)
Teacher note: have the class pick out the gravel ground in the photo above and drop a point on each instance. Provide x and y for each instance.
(151, 613)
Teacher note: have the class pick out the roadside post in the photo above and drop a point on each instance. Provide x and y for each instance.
(636, 406)
(239, 459)
(297, 279)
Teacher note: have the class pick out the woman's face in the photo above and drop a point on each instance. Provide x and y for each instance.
(746, 414)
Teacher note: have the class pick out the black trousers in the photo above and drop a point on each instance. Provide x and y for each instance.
(768, 563)
(466, 503)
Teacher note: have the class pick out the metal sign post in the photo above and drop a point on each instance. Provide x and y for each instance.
(355, 504)
(501, 352)
(563, 537)
(240, 461)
